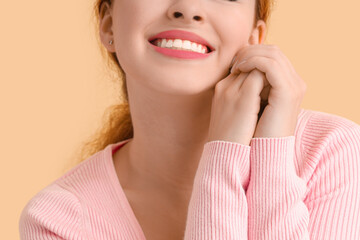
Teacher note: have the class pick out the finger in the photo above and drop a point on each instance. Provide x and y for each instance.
(233, 63)
(268, 66)
(253, 84)
(270, 51)
(225, 82)
(253, 50)
(237, 82)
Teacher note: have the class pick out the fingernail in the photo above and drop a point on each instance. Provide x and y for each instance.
(236, 65)
(232, 68)
(232, 65)
(232, 61)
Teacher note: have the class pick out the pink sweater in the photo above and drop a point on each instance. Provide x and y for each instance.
(298, 187)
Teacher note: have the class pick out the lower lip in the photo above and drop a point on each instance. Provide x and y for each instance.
(180, 53)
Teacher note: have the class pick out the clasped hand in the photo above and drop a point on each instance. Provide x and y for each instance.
(260, 74)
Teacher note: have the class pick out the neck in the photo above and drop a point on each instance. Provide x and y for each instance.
(169, 135)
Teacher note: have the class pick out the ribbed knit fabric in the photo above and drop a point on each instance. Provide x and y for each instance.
(304, 186)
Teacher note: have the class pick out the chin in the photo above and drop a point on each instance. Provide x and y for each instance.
(181, 87)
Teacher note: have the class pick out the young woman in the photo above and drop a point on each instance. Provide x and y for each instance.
(210, 141)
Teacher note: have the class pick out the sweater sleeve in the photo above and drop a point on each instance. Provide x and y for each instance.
(218, 207)
(278, 207)
(334, 197)
(53, 213)
(275, 192)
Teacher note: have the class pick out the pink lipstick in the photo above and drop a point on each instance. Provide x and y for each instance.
(179, 53)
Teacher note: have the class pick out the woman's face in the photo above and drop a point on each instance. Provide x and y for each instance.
(226, 25)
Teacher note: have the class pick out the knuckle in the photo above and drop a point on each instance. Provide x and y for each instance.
(256, 77)
(255, 73)
(273, 63)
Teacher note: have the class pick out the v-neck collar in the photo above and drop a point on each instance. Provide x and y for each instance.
(115, 182)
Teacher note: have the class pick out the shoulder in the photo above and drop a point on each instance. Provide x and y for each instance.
(322, 130)
(55, 212)
(331, 121)
(64, 207)
(328, 144)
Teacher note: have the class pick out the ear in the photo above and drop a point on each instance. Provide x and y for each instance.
(105, 26)
(258, 33)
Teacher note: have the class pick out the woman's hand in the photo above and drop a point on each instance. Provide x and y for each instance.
(235, 107)
(260, 98)
(284, 90)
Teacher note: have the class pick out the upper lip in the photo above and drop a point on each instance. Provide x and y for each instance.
(183, 35)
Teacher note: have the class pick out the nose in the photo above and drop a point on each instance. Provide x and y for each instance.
(187, 11)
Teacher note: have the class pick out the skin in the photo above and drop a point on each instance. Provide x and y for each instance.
(178, 105)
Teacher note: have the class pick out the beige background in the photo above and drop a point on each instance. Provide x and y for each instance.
(53, 90)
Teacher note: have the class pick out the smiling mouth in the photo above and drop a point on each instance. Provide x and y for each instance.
(154, 42)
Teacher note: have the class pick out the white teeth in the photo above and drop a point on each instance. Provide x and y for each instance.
(181, 44)
(163, 43)
(187, 45)
(169, 44)
(177, 43)
(194, 47)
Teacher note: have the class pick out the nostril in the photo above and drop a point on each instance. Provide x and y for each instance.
(177, 14)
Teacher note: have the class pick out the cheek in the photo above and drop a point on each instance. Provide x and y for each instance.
(234, 30)
(124, 16)
(132, 15)
(236, 39)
